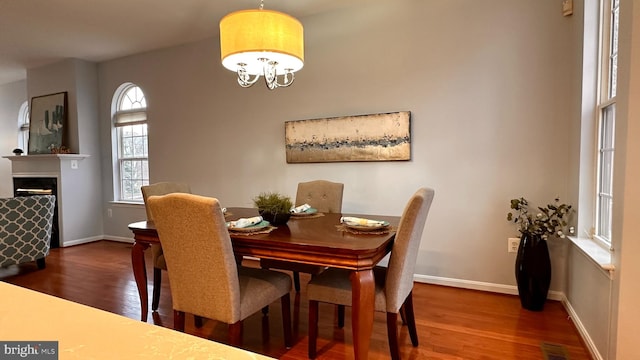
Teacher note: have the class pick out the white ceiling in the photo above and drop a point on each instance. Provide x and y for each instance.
(38, 32)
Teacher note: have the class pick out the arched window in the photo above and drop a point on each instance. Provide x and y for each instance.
(131, 170)
(23, 127)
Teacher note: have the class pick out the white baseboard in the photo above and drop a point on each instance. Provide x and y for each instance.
(593, 350)
(466, 284)
(81, 241)
(478, 285)
(118, 239)
(96, 238)
(513, 290)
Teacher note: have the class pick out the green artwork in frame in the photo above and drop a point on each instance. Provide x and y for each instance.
(48, 123)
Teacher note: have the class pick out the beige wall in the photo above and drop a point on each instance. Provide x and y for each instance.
(490, 119)
(11, 98)
(494, 91)
(627, 191)
(80, 196)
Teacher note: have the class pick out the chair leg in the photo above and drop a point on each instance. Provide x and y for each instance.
(392, 334)
(285, 300)
(235, 333)
(41, 264)
(403, 315)
(178, 320)
(198, 321)
(157, 285)
(341, 316)
(411, 319)
(313, 328)
(296, 281)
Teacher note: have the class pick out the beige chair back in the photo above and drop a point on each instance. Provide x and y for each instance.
(399, 281)
(326, 196)
(162, 188)
(197, 247)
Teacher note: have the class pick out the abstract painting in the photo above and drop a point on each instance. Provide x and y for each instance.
(374, 137)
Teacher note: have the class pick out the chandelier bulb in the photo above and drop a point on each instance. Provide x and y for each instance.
(244, 79)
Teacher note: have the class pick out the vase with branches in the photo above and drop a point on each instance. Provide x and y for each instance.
(551, 220)
(533, 263)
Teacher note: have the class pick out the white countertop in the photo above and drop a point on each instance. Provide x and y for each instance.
(85, 333)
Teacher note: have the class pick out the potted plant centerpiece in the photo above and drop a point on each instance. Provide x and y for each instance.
(274, 207)
(533, 264)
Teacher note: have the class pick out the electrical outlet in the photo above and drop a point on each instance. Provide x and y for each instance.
(513, 244)
(109, 213)
(74, 164)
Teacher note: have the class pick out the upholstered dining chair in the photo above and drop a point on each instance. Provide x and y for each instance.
(159, 263)
(204, 277)
(394, 284)
(326, 197)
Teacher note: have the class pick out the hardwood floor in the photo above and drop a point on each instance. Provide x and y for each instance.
(452, 323)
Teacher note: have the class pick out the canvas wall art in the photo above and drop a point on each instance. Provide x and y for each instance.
(374, 137)
(47, 123)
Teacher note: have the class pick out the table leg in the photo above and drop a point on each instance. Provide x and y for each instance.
(363, 301)
(140, 274)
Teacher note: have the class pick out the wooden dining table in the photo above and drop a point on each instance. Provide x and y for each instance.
(313, 240)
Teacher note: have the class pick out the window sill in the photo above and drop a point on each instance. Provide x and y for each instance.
(126, 203)
(595, 252)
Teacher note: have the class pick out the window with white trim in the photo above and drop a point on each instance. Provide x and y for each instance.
(606, 110)
(131, 144)
(23, 127)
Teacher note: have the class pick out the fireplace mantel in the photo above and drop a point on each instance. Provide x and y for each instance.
(45, 164)
(45, 156)
(77, 198)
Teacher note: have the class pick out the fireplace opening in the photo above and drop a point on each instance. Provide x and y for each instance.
(23, 186)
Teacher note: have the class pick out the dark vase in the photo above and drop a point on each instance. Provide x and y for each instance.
(275, 218)
(533, 271)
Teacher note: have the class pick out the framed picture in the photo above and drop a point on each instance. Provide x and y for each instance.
(48, 123)
(373, 137)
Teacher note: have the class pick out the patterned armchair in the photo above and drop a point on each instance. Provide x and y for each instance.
(25, 229)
